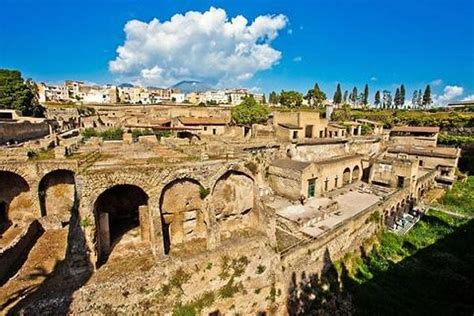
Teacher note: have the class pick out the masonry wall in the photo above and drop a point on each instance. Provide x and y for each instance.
(285, 182)
(414, 141)
(319, 151)
(22, 131)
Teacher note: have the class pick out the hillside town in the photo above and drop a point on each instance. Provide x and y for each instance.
(82, 93)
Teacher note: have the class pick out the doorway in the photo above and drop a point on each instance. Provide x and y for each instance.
(311, 188)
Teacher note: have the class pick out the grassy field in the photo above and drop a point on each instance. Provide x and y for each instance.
(428, 271)
(460, 198)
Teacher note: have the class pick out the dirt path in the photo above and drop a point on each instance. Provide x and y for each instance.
(48, 251)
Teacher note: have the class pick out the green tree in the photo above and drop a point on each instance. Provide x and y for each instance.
(250, 112)
(338, 95)
(318, 95)
(366, 94)
(291, 99)
(427, 96)
(354, 95)
(402, 95)
(273, 98)
(18, 94)
(346, 95)
(377, 100)
(414, 99)
(397, 98)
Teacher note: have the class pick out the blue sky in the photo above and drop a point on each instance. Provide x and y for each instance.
(382, 43)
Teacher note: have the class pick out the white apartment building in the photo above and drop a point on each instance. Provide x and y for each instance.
(218, 97)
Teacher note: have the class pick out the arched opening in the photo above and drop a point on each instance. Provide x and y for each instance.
(14, 201)
(57, 192)
(356, 173)
(233, 200)
(182, 215)
(346, 176)
(117, 213)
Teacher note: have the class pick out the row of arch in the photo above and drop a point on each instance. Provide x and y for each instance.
(186, 210)
(349, 176)
(18, 203)
(396, 212)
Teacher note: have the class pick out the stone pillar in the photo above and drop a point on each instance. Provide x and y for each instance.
(156, 234)
(104, 233)
(144, 218)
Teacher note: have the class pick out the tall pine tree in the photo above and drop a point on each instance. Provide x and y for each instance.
(366, 95)
(396, 100)
(338, 95)
(414, 99)
(354, 95)
(377, 98)
(427, 96)
(402, 95)
(346, 95)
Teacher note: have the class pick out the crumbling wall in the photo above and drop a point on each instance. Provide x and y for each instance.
(182, 210)
(57, 194)
(232, 200)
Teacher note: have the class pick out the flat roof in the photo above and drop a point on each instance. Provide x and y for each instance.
(368, 121)
(289, 126)
(203, 120)
(416, 129)
(440, 152)
(321, 141)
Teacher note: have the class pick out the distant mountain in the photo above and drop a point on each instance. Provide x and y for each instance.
(126, 85)
(187, 86)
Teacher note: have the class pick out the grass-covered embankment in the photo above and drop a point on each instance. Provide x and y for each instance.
(428, 271)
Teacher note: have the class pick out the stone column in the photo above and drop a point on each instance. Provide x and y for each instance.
(144, 218)
(156, 234)
(104, 233)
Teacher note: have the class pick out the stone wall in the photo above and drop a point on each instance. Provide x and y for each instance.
(312, 152)
(22, 131)
(14, 255)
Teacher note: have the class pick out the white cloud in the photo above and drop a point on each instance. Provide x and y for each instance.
(373, 78)
(450, 93)
(436, 82)
(469, 98)
(297, 59)
(206, 46)
(290, 31)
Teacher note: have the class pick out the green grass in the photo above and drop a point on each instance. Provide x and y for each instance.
(460, 198)
(430, 270)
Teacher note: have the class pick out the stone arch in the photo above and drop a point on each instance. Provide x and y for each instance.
(346, 176)
(356, 173)
(117, 217)
(57, 193)
(233, 199)
(15, 199)
(182, 212)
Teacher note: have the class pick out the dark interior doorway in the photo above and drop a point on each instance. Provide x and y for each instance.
(117, 213)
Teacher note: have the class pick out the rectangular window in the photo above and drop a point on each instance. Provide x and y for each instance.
(400, 182)
(214, 131)
(420, 163)
(321, 134)
(205, 128)
(308, 133)
(295, 134)
(311, 188)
